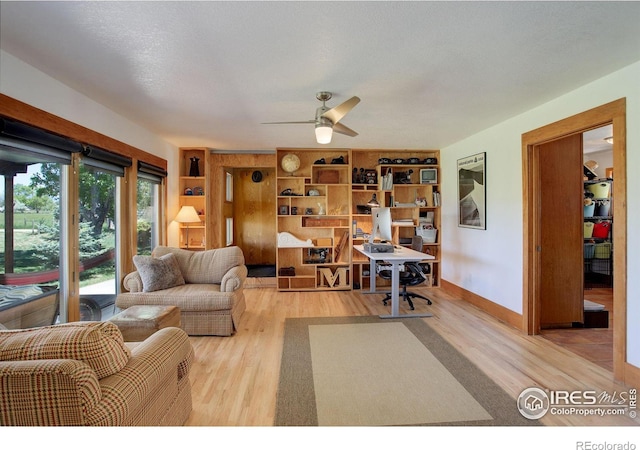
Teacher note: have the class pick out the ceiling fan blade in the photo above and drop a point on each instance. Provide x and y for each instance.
(272, 123)
(337, 113)
(342, 129)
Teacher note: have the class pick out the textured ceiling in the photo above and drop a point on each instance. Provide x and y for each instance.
(428, 73)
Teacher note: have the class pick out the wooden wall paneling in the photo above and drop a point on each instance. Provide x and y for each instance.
(254, 212)
(218, 164)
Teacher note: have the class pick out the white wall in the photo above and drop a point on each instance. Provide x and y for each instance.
(489, 263)
(29, 85)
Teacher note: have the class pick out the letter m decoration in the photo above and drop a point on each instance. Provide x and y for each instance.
(330, 278)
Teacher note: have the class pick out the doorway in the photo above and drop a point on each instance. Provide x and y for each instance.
(254, 213)
(613, 113)
(592, 336)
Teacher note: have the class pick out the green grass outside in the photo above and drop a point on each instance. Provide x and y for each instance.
(29, 221)
(26, 243)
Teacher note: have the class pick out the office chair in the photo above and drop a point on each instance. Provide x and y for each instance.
(414, 274)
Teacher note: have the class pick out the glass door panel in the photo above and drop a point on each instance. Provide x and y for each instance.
(30, 244)
(97, 235)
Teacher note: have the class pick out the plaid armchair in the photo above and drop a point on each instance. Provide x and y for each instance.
(83, 373)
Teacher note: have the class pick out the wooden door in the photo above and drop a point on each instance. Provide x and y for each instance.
(560, 241)
(254, 214)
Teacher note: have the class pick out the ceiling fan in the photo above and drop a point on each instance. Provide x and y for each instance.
(327, 119)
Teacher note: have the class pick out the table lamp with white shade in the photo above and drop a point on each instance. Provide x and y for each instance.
(187, 214)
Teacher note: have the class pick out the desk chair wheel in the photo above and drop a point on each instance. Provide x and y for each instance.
(407, 296)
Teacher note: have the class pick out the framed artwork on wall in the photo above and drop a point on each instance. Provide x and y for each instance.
(472, 207)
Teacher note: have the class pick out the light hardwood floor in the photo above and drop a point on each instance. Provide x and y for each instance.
(594, 344)
(235, 378)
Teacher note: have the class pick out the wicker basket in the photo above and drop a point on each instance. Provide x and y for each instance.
(602, 250)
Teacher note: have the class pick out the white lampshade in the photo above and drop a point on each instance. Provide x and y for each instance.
(323, 133)
(187, 214)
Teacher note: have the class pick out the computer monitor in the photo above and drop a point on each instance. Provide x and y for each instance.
(381, 224)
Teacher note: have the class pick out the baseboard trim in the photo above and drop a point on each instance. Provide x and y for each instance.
(499, 312)
(631, 375)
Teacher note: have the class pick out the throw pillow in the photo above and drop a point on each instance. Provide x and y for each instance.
(158, 273)
(98, 344)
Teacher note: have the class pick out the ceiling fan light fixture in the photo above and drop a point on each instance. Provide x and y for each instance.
(324, 131)
(327, 119)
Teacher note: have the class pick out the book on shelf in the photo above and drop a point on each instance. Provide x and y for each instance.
(403, 222)
(436, 198)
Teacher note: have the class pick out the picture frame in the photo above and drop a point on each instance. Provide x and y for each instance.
(472, 207)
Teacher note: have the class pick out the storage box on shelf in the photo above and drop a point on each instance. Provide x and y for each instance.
(193, 192)
(313, 219)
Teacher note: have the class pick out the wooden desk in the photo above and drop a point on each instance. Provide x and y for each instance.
(396, 260)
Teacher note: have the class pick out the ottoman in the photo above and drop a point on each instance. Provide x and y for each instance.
(139, 322)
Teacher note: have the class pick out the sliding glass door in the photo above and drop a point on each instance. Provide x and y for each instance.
(97, 237)
(30, 241)
(60, 230)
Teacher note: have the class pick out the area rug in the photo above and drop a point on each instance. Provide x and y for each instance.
(367, 371)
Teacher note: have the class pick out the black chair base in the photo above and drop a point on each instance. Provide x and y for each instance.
(407, 296)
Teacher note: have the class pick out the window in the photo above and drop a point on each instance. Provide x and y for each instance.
(30, 235)
(97, 236)
(229, 224)
(38, 220)
(229, 187)
(147, 216)
(98, 231)
(150, 179)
